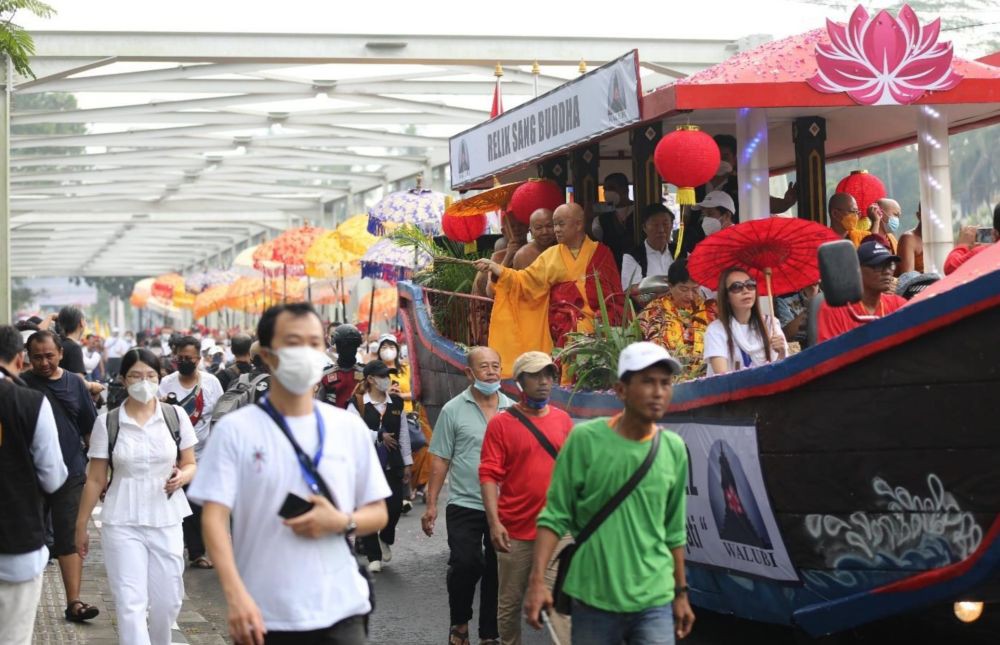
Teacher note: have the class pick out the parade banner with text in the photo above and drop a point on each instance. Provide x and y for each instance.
(730, 524)
(599, 102)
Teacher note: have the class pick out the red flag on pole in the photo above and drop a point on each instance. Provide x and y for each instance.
(497, 108)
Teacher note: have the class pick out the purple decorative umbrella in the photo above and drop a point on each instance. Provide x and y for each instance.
(386, 261)
(419, 207)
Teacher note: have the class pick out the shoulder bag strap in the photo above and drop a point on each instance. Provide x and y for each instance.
(542, 439)
(619, 497)
(173, 424)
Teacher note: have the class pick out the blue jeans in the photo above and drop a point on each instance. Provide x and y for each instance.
(653, 626)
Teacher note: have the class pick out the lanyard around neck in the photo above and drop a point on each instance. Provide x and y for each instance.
(308, 466)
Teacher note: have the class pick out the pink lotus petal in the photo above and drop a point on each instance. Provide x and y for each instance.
(884, 43)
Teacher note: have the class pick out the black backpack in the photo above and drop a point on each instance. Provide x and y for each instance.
(241, 393)
(114, 424)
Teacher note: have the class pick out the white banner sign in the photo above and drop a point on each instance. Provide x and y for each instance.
(730, 523)
(599, 102)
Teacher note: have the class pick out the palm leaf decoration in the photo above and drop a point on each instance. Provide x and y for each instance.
(15, 41)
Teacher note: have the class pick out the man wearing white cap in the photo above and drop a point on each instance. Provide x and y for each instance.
(626, 578)
(718, 212)
(519, 453)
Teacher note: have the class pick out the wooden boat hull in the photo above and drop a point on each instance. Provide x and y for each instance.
(851, 482)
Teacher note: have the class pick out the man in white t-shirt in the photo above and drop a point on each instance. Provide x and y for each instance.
(114, 348)
(285, 577)
(197, 392)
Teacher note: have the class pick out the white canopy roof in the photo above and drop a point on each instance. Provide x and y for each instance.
(199, 143)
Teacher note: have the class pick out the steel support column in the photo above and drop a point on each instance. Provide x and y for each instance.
(6, 286)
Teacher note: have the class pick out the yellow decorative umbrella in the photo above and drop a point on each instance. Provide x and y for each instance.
(353, 235)
(327, 258)
(210, 300)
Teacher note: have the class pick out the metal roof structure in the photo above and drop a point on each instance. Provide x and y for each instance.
(197, 144)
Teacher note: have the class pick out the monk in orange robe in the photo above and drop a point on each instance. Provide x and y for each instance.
(536, 307)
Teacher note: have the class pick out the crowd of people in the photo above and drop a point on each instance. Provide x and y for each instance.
(284, 453)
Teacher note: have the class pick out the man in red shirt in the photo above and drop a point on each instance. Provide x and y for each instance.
(518, 457)
(877, 267)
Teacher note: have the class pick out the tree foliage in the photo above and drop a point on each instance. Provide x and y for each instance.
(115, 286)
(15, 41)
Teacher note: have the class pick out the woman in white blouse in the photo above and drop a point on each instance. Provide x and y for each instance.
(144, 506)
(741, 336)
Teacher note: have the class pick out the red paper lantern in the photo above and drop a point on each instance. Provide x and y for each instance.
(686, 158)
(866, 189)
(463, 229)
(535, 194)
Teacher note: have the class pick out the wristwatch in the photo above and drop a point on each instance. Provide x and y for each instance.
(351, 527)
(681, 590)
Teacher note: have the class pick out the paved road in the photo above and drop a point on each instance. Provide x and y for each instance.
(413, 605)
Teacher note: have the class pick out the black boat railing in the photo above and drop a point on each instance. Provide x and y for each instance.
(460, 317)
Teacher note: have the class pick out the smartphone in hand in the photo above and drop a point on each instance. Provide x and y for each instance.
(294, 506)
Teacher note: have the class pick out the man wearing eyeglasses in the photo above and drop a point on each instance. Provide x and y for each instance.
(878, 265)
(843, 211)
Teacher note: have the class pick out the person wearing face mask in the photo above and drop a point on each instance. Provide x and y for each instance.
(150, 459)
(718, 212)
(291, 578)
(885, 213)
(166, 333)
(519, 454)
(616, 229)
(382, 412)
(456, 447)
(196, 391)
(843, 209)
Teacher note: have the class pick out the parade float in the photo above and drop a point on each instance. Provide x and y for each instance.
(855, 480)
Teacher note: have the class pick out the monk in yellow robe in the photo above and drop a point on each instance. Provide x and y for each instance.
(556, 294)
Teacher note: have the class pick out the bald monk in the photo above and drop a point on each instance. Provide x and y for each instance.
(536, 307)
(515, 236)
(885, 213)
(542, 237)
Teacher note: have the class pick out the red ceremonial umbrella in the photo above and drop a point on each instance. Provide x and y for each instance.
(780, 251)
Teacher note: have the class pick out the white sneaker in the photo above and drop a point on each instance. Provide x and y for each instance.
(375, 567)
(386, 551)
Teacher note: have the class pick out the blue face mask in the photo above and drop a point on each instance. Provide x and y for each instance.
(893, 223)
(534, 404)
(489, 389)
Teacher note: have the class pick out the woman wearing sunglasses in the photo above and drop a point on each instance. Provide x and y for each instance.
(742, 336)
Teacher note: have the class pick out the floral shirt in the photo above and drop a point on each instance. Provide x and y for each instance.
(681, 331)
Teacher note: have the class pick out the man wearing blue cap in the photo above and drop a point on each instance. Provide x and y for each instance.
(878, 265)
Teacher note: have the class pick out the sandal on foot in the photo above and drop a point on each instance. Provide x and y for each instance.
(202, 563)
(78, 611)
(458, 637)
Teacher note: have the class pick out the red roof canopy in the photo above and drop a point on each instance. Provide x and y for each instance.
(775, 74)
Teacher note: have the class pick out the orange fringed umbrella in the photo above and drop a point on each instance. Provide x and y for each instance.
(165, 285)
(263, 259)
(327, 293)
(141, 293)
(291, 246)
(494, 199)
(386, 305)
(242, 293)
(210, 300)
(293, 290)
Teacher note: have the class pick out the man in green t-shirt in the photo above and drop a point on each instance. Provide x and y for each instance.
(627, 580)
(456, 445)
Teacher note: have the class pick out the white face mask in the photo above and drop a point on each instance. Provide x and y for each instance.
(381, 383)
(299, 368)
(388, 354)
(144, 391)
(612, 197)
(710, 225)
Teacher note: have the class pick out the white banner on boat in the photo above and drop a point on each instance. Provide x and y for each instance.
(596, 103)
(730, 524)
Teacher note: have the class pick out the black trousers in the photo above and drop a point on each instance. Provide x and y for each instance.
(350, 631)
(192, 532)
(394, 506)
(471, 560)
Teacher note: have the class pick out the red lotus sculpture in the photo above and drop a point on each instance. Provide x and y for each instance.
(884, 60)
